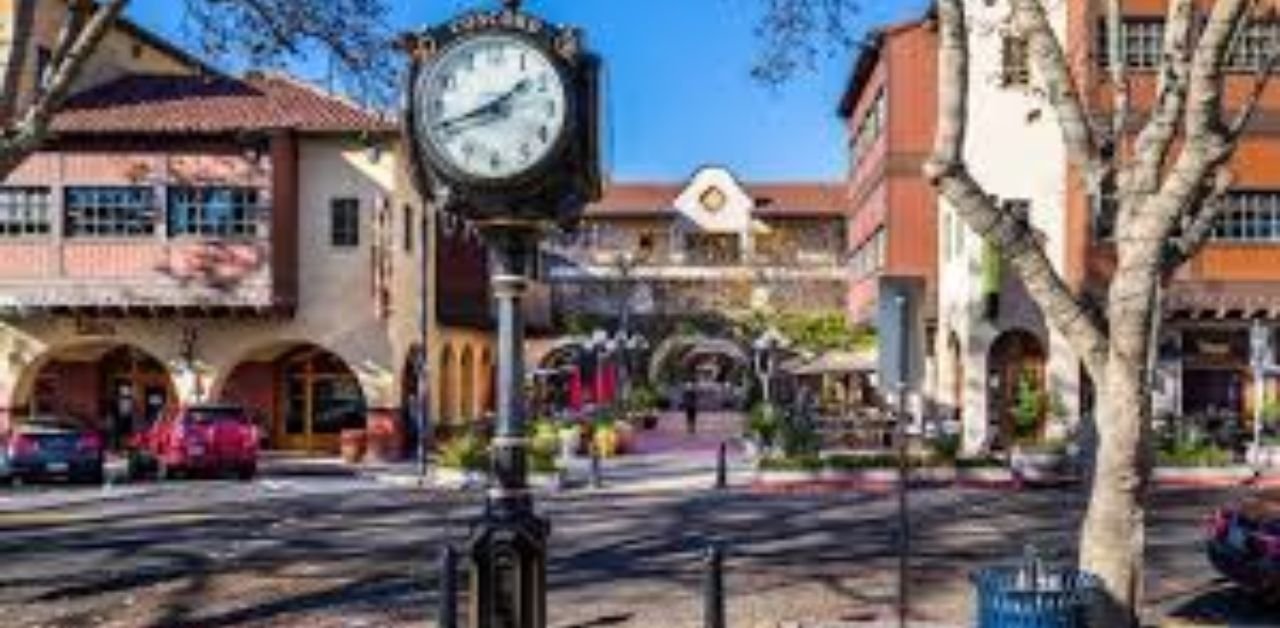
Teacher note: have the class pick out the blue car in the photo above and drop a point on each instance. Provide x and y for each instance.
(44, 448)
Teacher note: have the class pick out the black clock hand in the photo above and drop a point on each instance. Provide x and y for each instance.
(497, 106)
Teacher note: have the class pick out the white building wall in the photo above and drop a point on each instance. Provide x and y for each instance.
(1015, 151)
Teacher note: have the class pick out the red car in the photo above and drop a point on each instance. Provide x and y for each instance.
(198, 440)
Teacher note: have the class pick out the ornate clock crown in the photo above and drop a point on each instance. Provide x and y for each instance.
(511, 5)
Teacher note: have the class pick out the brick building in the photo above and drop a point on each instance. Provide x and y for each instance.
(990, 335)
(191, 236)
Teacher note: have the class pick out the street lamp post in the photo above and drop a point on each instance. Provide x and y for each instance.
(765, 348)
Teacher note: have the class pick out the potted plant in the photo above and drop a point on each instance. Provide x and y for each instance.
(763, 426)
(1267, 453)
(1035, 458)
(604, 437)
(353, 444)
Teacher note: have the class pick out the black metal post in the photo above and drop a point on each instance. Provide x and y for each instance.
(508, 548)
(448, 609)
(904, 477)
(422, 412)
(722, 467)
(597, 479)
(713, 588)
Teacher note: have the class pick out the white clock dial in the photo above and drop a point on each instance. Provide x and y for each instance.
(493, 106)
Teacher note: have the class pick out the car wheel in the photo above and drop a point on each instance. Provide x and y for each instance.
(163, 472)
(93, 478)
(247, 473)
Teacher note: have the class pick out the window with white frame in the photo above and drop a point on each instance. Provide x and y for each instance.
(1143, 40)
(869, 129)
(215, 212)
(96, 212)
(25, 211)
(1255, 45)
(1250, 216)
(870, 257)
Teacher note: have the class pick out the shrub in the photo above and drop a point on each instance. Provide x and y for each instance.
(945, 447)
(763, 424)
(1185, 454)
(799, 438)
(468, 452)
(980, 462)
(855, 462)
(786, 463)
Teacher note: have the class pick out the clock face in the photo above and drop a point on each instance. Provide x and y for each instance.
(492, 106)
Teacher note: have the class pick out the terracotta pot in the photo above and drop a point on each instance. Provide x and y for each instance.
(353, 445)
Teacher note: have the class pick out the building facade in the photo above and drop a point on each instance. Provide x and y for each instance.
(991, 339)
(889, 111)
(192, 237)
(683, 263)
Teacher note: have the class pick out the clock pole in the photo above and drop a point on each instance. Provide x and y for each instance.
(513, 209)
(509, 547)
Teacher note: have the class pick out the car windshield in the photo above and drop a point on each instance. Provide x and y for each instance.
(216, 415)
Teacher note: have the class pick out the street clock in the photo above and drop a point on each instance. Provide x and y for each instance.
(502, 117)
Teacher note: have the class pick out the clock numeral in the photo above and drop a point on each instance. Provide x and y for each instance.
(552, 108)
(544, 82)
(544, 134)
(526, 151)
(524, 61)
(496, 56)
(448, 82)
(495, 161)
(469, 149)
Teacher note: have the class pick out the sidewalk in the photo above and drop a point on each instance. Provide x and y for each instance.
(665, 459)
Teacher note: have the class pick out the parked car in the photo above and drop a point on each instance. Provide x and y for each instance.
(1243, 543)
(207, 440)
(52, 447)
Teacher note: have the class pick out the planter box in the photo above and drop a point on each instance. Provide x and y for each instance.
(1267, 456)
(460, 478)
(984, 475)
(766, 476)
(1202, 476)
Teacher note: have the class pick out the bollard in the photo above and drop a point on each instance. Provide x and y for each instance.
(596, 477)
(722, 467)
(448, 609)
(713, 588)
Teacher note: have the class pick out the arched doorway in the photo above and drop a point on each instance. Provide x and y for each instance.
(1018, 403)
(720, 368)
(448, 394)
(955, 353)
(410, 392)
(303, 395)
(467, 387)
(116, 389)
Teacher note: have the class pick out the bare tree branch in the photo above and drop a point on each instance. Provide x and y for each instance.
(1196, 224)
(33, 127)
(1078, 133)
(1207, 146)
(1154, 141)
(1014, 236)
(1119, 57)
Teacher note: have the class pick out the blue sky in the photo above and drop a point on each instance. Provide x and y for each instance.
(680, 91)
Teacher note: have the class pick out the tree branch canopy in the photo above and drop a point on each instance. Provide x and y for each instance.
(261, 32)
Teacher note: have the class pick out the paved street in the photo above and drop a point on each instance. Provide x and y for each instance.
(352, 552)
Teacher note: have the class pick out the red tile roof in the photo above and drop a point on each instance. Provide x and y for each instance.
(777, 199)
(182, 104)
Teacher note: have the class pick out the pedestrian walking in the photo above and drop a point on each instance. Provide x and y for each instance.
(690, 403)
